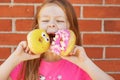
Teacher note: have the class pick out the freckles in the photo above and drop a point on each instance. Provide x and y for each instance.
(43, 26)
(62, 26)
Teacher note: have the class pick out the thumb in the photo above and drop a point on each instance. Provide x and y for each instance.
(22, 45)
(31, 56)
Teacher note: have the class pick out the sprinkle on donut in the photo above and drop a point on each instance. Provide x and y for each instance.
(60, 41)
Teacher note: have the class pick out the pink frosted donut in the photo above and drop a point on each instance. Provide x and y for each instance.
(63, 42)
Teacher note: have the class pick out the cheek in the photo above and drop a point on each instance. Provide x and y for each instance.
(63, 26)
(42, 26)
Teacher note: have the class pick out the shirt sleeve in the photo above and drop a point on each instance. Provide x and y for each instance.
(15, 72)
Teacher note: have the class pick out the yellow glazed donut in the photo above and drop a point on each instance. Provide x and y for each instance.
(38, 41)
(63, 42)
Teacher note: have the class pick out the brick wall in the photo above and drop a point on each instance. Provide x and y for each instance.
(99, 22)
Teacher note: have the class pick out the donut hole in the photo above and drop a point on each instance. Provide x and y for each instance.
(40, 39)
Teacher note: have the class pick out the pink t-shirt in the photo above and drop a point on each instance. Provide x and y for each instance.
(60, 70)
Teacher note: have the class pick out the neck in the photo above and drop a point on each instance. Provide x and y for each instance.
(51, 57)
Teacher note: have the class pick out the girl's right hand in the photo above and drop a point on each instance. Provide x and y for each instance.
(23, 53)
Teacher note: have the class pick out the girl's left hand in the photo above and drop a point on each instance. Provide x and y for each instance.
(77, 56)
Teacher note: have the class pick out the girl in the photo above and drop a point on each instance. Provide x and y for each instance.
(23, 65)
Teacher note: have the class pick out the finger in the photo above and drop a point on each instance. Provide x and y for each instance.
(27, 49)
(23, 44)
(75, 51)
(31, 56)
(30, 52)
(72, 51)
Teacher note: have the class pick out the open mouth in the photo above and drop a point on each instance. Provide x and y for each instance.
(51, 37)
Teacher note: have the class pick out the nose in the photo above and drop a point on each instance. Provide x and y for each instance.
(51, 25)
(52, 28)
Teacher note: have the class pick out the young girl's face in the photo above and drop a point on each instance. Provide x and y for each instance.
(52, 18)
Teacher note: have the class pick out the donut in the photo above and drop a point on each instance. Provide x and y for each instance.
(38, 41)
(63, 42)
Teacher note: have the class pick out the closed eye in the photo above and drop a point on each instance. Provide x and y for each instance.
(45, 20)
(60, 21)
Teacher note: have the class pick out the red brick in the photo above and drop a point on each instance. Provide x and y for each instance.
(93, 52)
(77, 11)
(5, 25)
(24, 25)
(109, 65)
(11, 39)
(101, 39)
(17, 11)
(38, 8)
(4, 1)
(112, 1)
(101, 12)
(116, 76)
(112, 25)
(86, 1)
(4, 53)
(28, 1)
(89, 25)
(113, 52)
